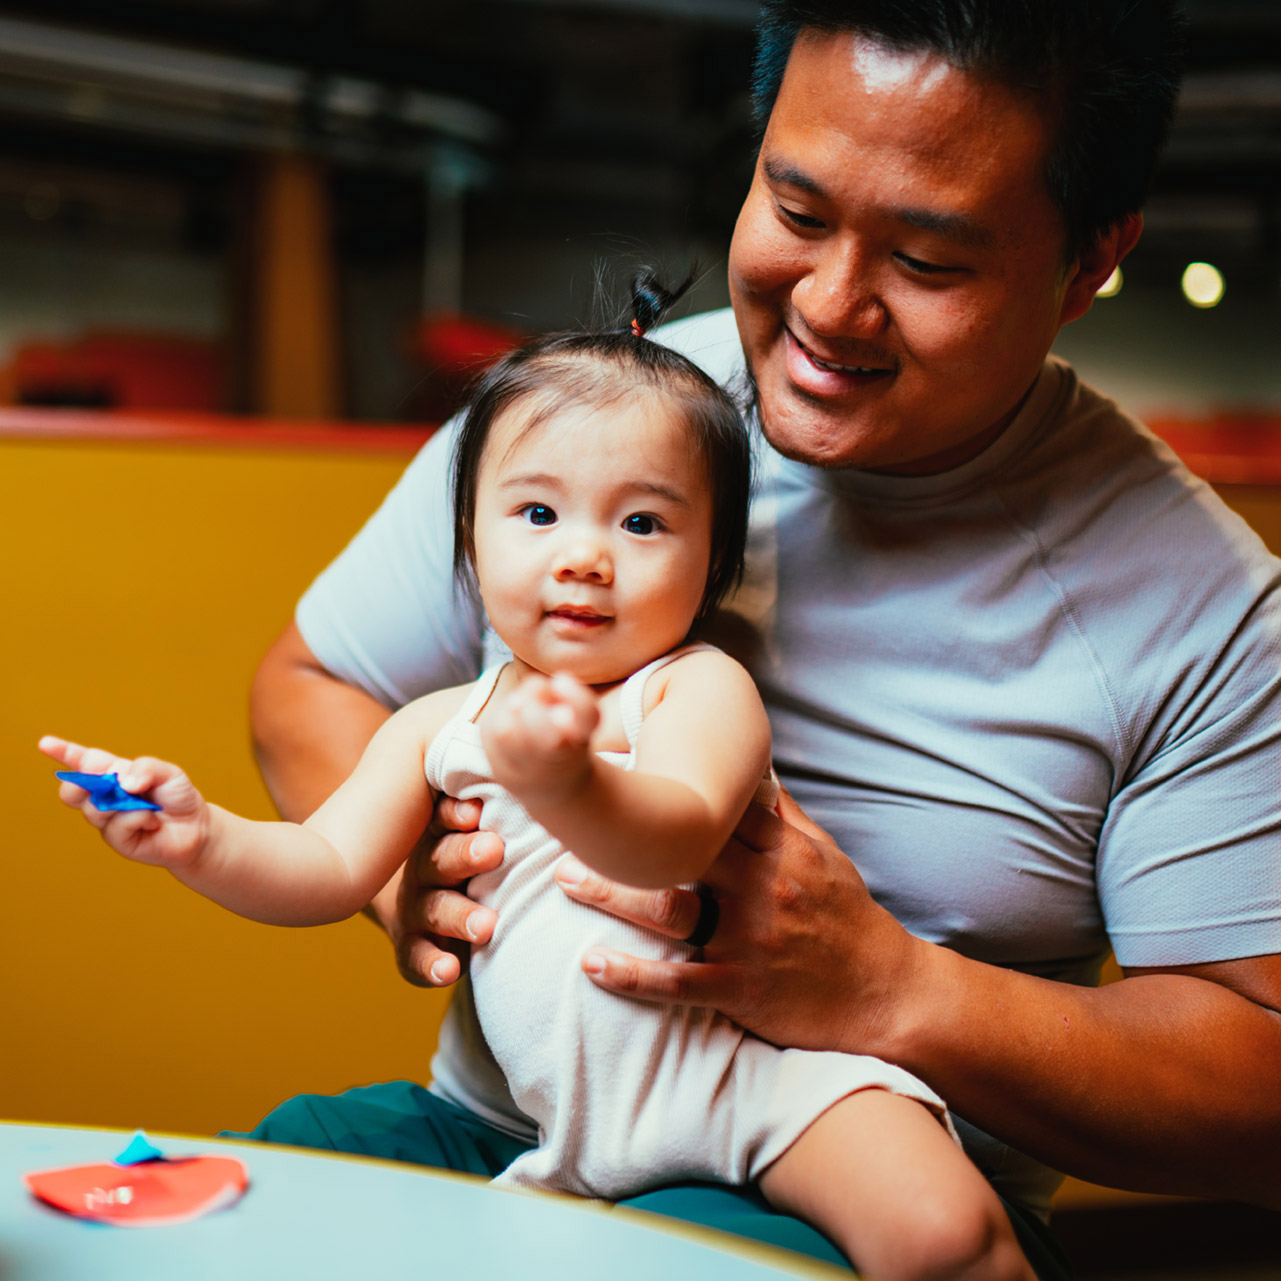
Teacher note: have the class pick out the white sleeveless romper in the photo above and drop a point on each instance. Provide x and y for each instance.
(626, 1094)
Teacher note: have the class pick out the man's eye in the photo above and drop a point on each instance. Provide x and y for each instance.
(538, 514)
(919, 266)
(797, 219)
(641, 524)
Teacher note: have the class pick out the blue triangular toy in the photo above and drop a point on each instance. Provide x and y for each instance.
(139, 1149)
(105, 791)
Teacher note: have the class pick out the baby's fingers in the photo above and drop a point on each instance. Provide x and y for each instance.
(146, 773)
(576, 709)
(550, 725)
(83, 760)
(63, 752)
(125, 830)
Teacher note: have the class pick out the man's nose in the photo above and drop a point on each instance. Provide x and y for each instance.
(582, 556)
(837, 297)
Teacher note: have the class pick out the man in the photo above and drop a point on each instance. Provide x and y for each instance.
(1020, 668)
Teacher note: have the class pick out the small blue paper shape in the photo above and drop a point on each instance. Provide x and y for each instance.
(105, 791)
(139, 1149)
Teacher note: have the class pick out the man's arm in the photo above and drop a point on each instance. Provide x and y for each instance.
(309, 727)
(1163, 1082)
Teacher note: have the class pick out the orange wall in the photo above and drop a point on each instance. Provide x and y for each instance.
(140, 584)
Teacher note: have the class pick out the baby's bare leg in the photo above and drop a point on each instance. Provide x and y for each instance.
(879, 1175)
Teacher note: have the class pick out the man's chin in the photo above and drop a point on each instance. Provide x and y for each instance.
(814, 446)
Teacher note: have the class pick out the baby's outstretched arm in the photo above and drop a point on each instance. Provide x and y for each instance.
(280, 873)
(702, 750)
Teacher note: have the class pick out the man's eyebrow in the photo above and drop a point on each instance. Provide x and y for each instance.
(790, 176)
(951, 226)
(957, 227)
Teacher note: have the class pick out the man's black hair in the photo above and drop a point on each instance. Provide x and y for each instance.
(607, 367)
(1107, 71)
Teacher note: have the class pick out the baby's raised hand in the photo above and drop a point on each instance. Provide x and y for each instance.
(173, 836)
(538, 739)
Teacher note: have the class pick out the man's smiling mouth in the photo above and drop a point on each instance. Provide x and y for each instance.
(833, 367)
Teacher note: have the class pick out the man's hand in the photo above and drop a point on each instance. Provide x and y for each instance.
(425, 909)
(801, 955)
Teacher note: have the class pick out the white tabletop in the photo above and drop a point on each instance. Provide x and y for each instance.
(316, 1216)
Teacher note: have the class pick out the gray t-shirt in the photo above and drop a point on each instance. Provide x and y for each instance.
(1036, 699)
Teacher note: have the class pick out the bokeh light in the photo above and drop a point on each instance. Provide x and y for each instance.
(1202, 284)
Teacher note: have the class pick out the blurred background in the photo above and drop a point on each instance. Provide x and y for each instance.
(248, 251)
(288, 206)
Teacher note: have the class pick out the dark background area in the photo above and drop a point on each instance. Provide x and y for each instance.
(614, 131)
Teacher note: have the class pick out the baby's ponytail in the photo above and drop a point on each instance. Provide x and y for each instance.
(651, 301)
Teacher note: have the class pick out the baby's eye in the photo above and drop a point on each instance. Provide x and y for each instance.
(642, 523)
(538, 514)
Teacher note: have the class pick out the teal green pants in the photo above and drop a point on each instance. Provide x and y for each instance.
(402, 1121)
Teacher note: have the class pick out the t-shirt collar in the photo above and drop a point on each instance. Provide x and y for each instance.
(1037, 412)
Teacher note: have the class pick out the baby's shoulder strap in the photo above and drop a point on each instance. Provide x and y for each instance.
(479, 694)
(631, 698)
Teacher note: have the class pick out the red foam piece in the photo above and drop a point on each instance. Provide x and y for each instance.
(141, 1196)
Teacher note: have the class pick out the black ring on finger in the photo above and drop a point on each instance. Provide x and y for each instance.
(709, 915)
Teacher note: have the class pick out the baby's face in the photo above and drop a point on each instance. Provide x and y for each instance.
(592, 536)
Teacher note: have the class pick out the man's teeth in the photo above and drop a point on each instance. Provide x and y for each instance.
(843, 369)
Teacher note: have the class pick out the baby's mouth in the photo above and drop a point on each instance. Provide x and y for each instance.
(581, 614)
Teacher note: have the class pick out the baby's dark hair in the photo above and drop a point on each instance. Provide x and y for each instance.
(599, 368)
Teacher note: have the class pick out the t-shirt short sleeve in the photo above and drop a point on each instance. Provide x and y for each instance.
(1189, 863)
(388, 615)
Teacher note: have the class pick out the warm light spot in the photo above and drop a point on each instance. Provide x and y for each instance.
(1202, 284)
(1112, 285)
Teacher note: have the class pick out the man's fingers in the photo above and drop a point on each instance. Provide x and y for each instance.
(457, 857)
(453, 815)
(792, 813)
(666, 982)
(673, 912)
(425, 964)
(758, 828)
(454, 916)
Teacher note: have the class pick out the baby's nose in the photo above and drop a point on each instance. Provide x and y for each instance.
(585, 558)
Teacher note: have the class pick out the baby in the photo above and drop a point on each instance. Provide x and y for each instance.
(601, 486)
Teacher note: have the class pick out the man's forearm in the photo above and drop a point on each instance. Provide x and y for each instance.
(1162, 1082)
(309, 728)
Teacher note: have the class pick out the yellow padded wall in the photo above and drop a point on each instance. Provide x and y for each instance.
(139, 585)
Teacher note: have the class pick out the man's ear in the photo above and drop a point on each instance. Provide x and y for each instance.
(1087, 275)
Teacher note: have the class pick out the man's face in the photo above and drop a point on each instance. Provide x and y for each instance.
(897, 270)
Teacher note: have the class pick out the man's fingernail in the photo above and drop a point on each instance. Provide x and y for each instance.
(594, 964)
(437, 972)
(571, 873)
(483, 848)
